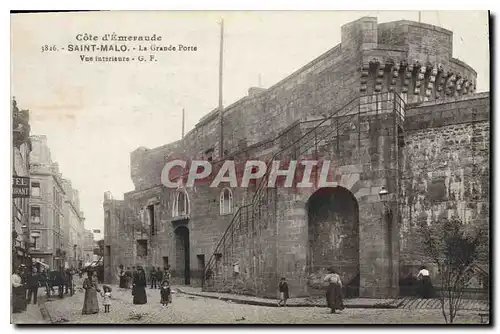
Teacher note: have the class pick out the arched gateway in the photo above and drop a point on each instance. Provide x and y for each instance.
(333, 235)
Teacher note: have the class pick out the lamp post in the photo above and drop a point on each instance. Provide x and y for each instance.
(385, 198)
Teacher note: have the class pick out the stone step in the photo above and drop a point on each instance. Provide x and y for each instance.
(435, 303)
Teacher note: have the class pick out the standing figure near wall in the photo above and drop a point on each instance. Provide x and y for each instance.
(425, 287)
(139, 287)
(18, 291)
(334, 291)
(123, 277)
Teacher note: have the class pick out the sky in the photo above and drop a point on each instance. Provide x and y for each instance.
(95, 114)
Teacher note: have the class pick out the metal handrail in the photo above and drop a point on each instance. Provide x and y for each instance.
(259, 191)
(260, 186)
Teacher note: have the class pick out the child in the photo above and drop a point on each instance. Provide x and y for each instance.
(165, 293)
(283, 287)
(106, 294)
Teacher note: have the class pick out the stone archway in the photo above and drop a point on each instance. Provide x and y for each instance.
(333, 237)
(182, 255)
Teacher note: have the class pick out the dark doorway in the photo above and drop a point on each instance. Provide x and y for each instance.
(165, 262)
(333, 230)
(201, 265)
(182, 253)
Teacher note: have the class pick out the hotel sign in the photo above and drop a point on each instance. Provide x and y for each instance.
(20, 187)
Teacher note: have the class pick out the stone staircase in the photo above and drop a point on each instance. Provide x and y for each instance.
(435, 303)
(253, 225)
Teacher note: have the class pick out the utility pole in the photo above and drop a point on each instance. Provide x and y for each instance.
(182, 123)
(419, 16)
(221, 107)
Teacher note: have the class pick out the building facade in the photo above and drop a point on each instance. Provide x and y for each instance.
(88, 247)
(46, 206)
(389, 107)
(73, 228)
(20, 206)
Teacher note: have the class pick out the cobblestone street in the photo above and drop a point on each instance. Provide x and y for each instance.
(189, 310)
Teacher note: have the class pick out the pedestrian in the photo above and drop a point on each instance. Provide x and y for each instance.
(18, 291)
(334, 291)
(139, 287)
(167, 275)
(59, 281)
(425, 287)
(106, 295)
(123, 277)
(152, 276)
(159, 277)
(68, 281)
(165, 293)
(90, 303)
(33, 282)
(128, 277)
(283, 288)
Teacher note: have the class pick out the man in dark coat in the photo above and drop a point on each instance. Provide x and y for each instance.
(32, 282)
(123, 278)
(152, 275)
(159, 277)
(139, 287)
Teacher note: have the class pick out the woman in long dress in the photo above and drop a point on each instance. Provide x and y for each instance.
(139, 287)
(123, 278)
(334, 291)
(90, 303)
(425, 287)
(18, 291)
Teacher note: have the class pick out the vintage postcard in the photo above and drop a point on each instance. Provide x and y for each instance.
(252, 167)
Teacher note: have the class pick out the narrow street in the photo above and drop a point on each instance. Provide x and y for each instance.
(187, 309)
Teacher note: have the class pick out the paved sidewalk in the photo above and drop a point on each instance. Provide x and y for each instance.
(32, 315)
(292, 302)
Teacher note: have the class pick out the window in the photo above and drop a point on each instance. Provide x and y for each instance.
(35, 189)
(201, 262)
(35, 214)
(181, 204)
(151, 212)
(35, 239)
(209, 154)
(142, 248)
(226, 201)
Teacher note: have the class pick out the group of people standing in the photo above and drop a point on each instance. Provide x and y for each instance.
(334, 298)
(334, 286)
(26, 282)
(159, 279)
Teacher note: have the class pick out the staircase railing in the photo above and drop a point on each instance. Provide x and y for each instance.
(257, 197)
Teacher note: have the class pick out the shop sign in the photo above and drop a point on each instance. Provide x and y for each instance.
(20, 187)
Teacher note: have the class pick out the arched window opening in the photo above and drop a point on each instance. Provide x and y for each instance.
(181, 204)
(226, 201)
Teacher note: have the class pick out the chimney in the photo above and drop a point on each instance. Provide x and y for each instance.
(254, 91)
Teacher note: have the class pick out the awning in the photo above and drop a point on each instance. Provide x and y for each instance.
(43, 264)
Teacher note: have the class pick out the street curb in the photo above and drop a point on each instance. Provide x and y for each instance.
(275, 303)
(43, 309)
